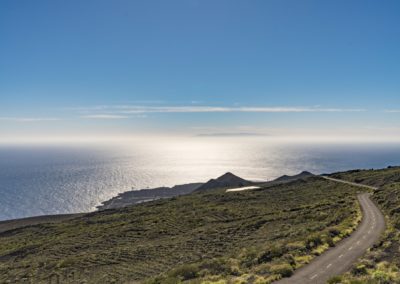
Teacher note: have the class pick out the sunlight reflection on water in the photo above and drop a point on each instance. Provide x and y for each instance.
(64, 179)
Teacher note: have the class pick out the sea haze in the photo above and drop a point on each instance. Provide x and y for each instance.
(40, 179)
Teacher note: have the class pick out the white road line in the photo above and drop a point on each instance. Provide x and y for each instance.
(329, 265)
(358, 242)
(340, 256)
(315, 275)
(350, 248)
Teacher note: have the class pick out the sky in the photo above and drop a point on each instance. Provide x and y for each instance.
(212, 67)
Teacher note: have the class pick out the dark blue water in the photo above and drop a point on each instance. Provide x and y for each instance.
(37, 180)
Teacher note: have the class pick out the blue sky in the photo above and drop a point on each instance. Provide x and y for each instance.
(134, 67)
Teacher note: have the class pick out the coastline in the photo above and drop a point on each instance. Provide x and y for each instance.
(134, 197)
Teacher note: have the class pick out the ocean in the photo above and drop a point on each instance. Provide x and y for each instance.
(68, 178)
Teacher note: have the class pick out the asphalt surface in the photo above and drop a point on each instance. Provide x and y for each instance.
(340, 258)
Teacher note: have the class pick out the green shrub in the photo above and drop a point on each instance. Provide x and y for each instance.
(329, 241)
(185, 272)
(289, 259)
(163, 280)
(270, 254)
(248, 257)
(334, 232)
(313, 241)
(285, 269)
(382, 277)
(359, 270)
(215, 266)
(335, 280)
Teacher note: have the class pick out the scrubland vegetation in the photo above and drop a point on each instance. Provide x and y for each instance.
(381, 265)
(252, 236)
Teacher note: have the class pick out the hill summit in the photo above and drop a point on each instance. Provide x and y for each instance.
(286, 178)
(226, 180)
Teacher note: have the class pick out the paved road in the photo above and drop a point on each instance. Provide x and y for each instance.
(340, 258)
(349, 182)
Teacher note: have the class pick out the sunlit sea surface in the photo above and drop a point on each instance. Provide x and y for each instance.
(37, 180)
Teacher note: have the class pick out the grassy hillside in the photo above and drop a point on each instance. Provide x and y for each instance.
(382, 263)
(244, 237)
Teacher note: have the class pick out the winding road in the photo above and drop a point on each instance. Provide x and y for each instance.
(339, 259)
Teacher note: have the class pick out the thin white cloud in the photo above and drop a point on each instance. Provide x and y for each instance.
(392, 110)
(28, 119)
(105, 116)
(212, 109)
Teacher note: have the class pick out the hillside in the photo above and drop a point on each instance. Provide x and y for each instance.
(133, 197)
(244, 236)
(227, 180)
(286, 178)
